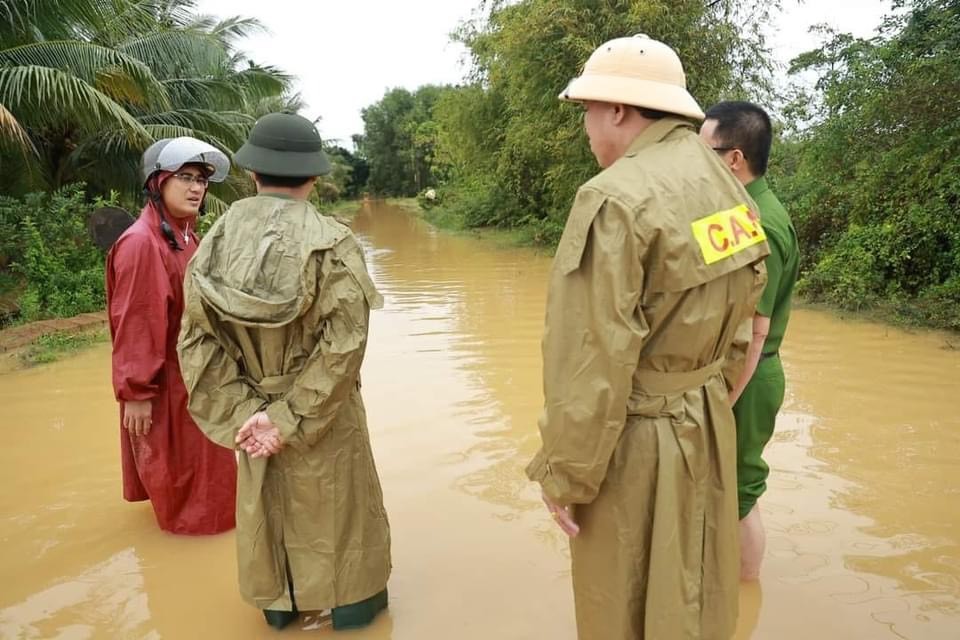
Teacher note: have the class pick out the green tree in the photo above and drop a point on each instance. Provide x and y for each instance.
(515, 152)
(399, 141)
(355, 171)
(874, 185)
(86, 85)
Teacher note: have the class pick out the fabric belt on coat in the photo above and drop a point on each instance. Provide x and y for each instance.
(274, 385)
(672, 382)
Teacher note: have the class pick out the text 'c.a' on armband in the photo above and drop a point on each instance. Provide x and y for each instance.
(726, 233)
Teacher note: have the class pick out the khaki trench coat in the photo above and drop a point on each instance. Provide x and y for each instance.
(651, 293)
(277, 306)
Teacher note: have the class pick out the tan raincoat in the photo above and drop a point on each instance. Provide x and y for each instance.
(657, 272)
(277, 305)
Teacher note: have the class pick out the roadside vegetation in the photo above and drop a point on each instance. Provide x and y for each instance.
(867, 158)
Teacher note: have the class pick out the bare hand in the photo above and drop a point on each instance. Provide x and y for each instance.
(563, 516)
(138, 416)
(259, 437)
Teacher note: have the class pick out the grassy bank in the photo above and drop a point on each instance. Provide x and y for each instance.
(407, 204)
(51, 348)
(349, 208)
(894, 314)
(448, 219)
(343, 208)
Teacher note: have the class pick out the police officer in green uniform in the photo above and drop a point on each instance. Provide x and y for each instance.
(277, 305)
(651, 291)
(741, 133)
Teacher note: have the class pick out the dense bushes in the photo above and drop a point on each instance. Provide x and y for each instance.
(47, 249)
(515, 152)
(506, 152)
(868, 164)
(873, 181)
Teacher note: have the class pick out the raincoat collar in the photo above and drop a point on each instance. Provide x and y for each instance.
(273, 194)
(151, 216)
(655, 133)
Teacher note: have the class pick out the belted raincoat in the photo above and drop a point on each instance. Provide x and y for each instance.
(277, 306)
(648, 317)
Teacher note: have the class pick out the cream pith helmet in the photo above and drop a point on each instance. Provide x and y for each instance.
(639, 71)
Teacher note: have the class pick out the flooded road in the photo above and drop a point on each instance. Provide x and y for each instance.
(863, 510)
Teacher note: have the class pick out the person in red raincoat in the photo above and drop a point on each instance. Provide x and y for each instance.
(190, 481)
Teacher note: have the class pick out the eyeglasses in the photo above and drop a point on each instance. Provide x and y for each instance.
(722, 149)
(189, 179)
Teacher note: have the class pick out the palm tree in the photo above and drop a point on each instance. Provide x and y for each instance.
(86, 85)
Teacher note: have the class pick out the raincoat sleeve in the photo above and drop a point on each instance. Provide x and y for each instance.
(140, 293)
(332, 370)
(736, 357)
(591, 346)
(220, 398)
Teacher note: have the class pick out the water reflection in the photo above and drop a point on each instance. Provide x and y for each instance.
(109, 596)
(457, 344)
(491, 302)
(866, 499)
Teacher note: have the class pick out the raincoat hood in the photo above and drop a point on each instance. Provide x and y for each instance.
(230, 271)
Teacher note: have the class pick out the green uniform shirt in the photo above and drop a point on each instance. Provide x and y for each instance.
(783, 263)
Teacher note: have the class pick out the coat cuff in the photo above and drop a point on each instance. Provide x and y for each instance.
(283, 419)
(553, 487)
(130, 395)
(537, 470)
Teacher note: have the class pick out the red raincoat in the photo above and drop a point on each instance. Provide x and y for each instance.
(190, 481)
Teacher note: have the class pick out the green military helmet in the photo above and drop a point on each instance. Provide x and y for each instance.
(284, 144)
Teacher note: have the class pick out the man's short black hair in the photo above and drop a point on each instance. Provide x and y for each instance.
(745, 126)
(654, 114)
(284, 182)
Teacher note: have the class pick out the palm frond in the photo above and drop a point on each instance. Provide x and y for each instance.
(15, 18)
(111, 160)
(87, 85)
(113, 142)
(92, 64)
(235, 28)
(51, 95)
(262, 82)
(131, 18)
(204, 23)
(173, 53)
(288, 103)
(231, 127)
(211, 93)
(25, 21)
(160, 131)
(19, 172)
(12, 131)
(214, 205)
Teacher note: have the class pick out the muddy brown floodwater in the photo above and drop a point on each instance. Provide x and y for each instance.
(863, 510)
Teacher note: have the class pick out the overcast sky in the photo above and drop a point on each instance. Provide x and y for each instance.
(345, 54)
